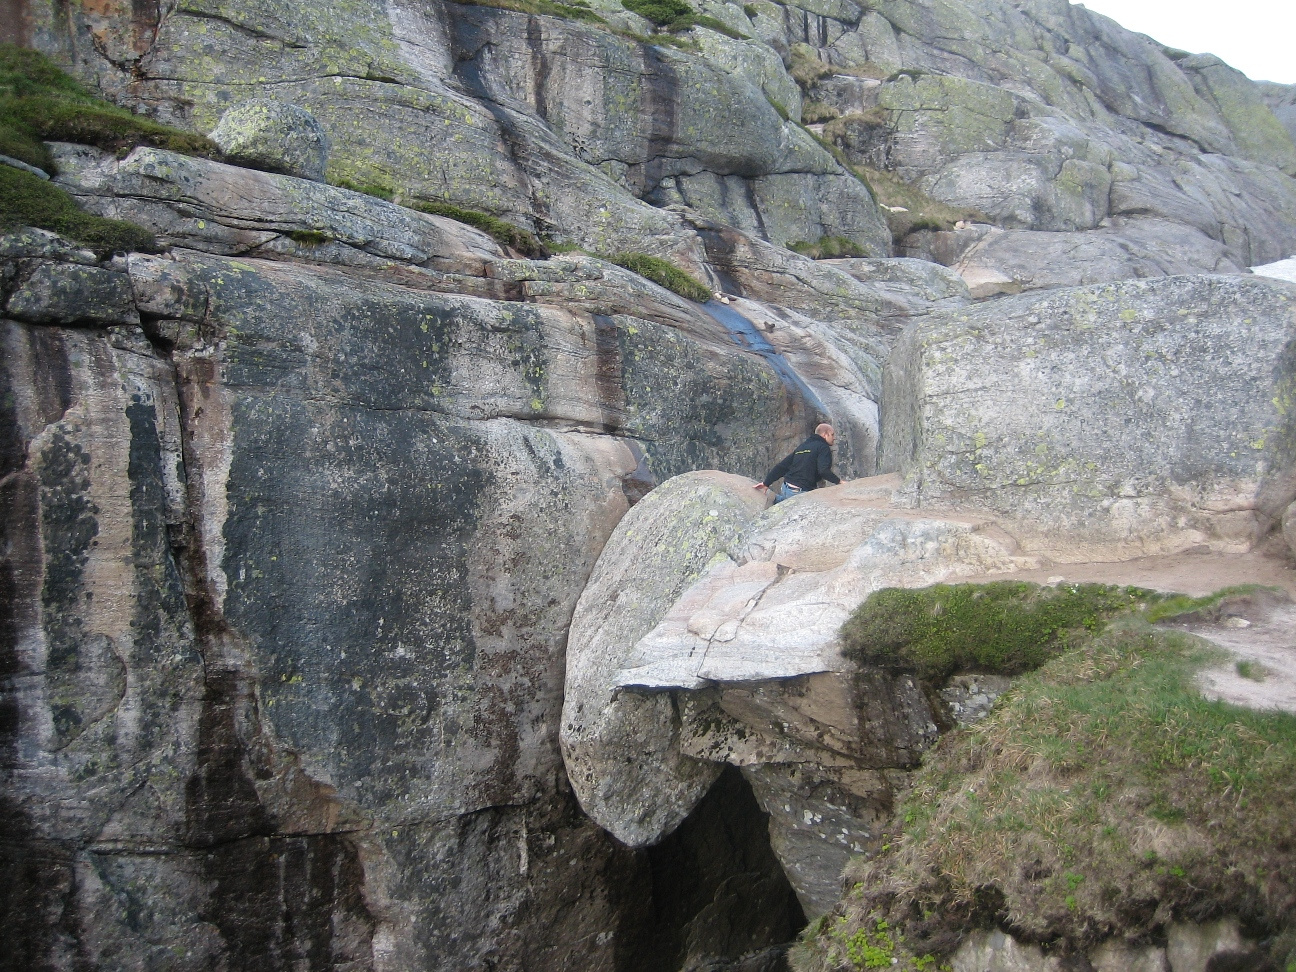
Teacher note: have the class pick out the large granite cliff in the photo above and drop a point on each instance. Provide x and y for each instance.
(299, 512)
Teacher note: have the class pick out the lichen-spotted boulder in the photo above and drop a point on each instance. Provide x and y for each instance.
(268, 134)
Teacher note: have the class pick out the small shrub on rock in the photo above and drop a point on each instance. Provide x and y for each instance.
(660, 272)
(660, 13)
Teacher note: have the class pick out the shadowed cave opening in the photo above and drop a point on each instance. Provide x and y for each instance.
(720, 899)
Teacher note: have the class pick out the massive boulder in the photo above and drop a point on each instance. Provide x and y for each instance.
(1041, 407)
(722, 648)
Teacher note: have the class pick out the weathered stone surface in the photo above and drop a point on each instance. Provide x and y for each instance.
(1037, 407)
(1008, 262)
(1281, 99)
(230, 210)
(1289, 526)
(268, 134)
(69, 293)
(920, 285)
(367, 726)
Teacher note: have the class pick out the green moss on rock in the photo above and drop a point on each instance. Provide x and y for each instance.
(501, 231)
(1006, 627)
(28, 200)
(38, 102)
(660, 272)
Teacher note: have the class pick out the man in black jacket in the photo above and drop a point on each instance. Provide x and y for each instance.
(801, 471)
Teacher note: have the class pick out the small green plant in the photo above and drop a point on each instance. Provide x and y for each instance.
(503, 232)
(28, 200)
(39, 103)
(661, 272)
(309, 238)
(1252, 670)
(828, 248)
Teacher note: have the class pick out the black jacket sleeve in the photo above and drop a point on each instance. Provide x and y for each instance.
(825, 465)
(779, 471)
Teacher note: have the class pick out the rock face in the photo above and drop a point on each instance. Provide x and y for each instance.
(301, 669)
(293, 555)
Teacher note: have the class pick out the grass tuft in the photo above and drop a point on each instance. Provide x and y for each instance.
(503, 232)
(663, 273)
(40, 103)
(28, 200)
(813, 112)
(828, 248)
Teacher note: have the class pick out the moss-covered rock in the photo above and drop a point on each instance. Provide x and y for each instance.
(28, 200)
(1003, 628)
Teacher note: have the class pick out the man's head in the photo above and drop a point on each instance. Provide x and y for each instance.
(825, 432)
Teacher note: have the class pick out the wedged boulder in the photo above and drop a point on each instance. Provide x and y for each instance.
(1039, 407)
(622, 749)
(268, 134)
(733, 657)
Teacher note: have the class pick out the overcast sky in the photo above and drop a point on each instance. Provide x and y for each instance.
(1258, 37)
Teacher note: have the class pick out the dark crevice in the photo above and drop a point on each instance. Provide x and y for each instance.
(720, 898)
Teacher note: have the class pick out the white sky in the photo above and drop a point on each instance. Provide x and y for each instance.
(1258, 37)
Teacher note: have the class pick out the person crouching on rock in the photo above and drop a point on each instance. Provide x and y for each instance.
(801, 471)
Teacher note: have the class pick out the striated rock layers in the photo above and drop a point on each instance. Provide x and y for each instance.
(290, 557)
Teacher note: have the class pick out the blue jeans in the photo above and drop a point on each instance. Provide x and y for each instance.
(787, 491)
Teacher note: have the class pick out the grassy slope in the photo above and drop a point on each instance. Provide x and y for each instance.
(40, 103)
(1103, 797)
